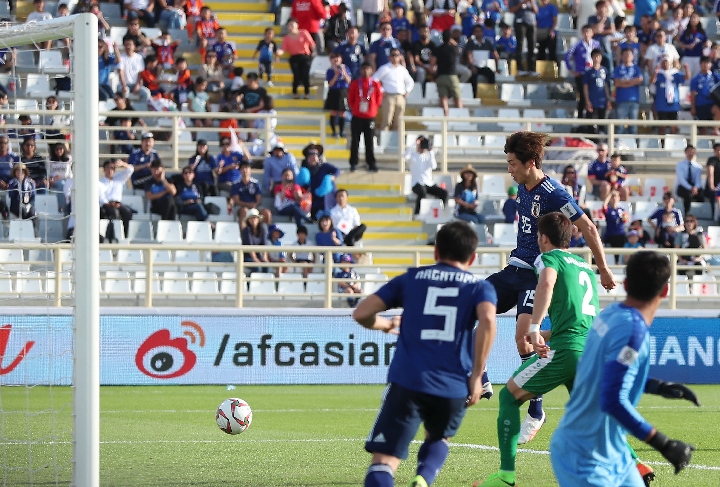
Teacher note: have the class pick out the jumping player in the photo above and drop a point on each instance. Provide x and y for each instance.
(515, 284)
(589, 446)
(436, 372)
(566, 287)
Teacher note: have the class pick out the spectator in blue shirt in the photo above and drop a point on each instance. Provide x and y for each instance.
(701, 105)
(189, 199)
(400, 21)
(615, 220)
(692, 42)
(596, 87)
(204, 166)
(510, 207)
(379, 54)
(338, 79)
(631, 42)
(353, 54)
(160, 192)
(275, 163)
(470, 17)
(107, 63)
(228, 165)
(246, 194)
(493, 10)
(506, 43)
(328, 236)
(141, 159)
(547, 18)
(603, 29)
(597, 170)
(645, 8)
(578, 60)
(7, 161)
(628, 78)
(667, 92)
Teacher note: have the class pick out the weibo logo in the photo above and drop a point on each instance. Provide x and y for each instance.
(163, 357)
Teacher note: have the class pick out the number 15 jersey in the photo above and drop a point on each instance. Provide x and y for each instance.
(434, 351)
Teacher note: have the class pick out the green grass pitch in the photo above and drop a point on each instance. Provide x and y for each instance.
(300, 436)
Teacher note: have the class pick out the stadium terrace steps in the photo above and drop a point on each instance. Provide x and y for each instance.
(227, 18)
(231, 5)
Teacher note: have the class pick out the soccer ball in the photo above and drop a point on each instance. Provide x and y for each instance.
(233, 416)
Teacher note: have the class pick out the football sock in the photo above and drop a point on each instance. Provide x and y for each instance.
(485, 379)
(632, 453)
(535, 407)
(332, 123)
(508, 427)
(431, 457)
(341, 122)
(379, 475)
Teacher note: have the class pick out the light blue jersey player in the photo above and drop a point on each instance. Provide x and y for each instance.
(515, 284)
(437, 368)
(589, 447)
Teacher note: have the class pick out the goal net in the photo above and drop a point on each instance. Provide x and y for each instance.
(49, 324)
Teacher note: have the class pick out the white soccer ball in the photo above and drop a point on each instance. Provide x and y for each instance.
(233, 416)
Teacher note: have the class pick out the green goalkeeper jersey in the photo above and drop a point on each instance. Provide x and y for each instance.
(574, 303)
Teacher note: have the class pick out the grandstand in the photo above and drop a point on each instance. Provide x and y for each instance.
(184, 256)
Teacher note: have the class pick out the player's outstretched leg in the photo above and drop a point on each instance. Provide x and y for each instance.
(646, 471)
(379, 475)
(535, 416)
(431, 457)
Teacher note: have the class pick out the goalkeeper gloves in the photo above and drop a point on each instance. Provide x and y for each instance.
(670, 390)
(675, 451)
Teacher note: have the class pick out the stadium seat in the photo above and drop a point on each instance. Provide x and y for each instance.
(513, 94)
(315, 285)
(262, 283)
(494, 144)
(51, 62)
(227, 233)
(222, 203)
(416, 95)
(46, 205)
(198, 232)
(161, 256)
(119, 231)
(471, 145)
(712, 233)
(490, 262)
(507, 113)
(595, 208)
(204, 283)
(22, 231)
(187, 257)
(129, 256)
(140, 282)
(505, 234)
(117, 282)
(7, 290)
(290, 284)
(643, 209)
(431, 93)
(388, 141)
(704, 285)
(702, 210)
(438, 141)
(30, 284)
(455, 113)
(432, 113)
(137, 203)
(66, 285)
(493, 186)
(432, 211)
(169, 232)
(537, 113)
(654, 188)
(373, 282)
(12, 260)
(228, 283)
(175, 283)
(140, 231)
(537, 92)
(38, 86)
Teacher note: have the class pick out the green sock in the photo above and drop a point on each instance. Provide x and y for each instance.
(632, 453)
(508, 425)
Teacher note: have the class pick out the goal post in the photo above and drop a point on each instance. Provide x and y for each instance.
(83, 30)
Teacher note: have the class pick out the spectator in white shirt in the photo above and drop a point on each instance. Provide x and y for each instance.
(144, 9)
(346, 219)
(111, 191)
(131, 65)
(422, 162)
(39, 15)
(397, 85)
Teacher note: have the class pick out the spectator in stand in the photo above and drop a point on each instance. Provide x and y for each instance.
(688, 177)
(246, 194)
(627, 77)
(193, 8)
(8, 159)
(397, 85)
(230, 124)
(346, 219)
(111, 192)
(35, 164)
(691, 237)
(348, 280)
(328, 236)
(493, 10)
(692, 42)
(322, 182)
(615, 220)
(596, 89)
(637, 226)
(616, 176)
(228, 165)
(40, 15)
(442, 13)
(183, 81)
(419, 56)
(399, 21)
(547, 19)
(371, 15)
(141, 159)
(603, 29)
(277, 161)
(712, 189)
(212, 71)
(21, 192)
(645, 34)
(143, 9)
(150, 76)
(206, 29)
(300, 45)
(338, 79)
(572, 185)
(667, 92)
(422, 163)
(381, 50)
(478, 42)
(657, 51)
(510, 207)
(160, 192)
(125, 134)
(466, 197)
(633, 242)
(259, 124)
(524, 26)
(597, 171)
(506, 42)
(225, 51)
(165, 48)
(365, 96)
(142, 42)
(673, 25)
(131, 65)
(666, 218)
(336, 28)
(303, 257)
(701, 104)
(254, 233)
(198, 102)
(291, 200)
(59, 170)
(253, 98)
(123, 109)
(630, 42)
(577, 240)
(353, 54)
(189, 198)
(273, 239)
(578, 60)
(168, 16)
(267, 53)
(470, 18)
(204, 166)
(57, 120)
(107, 63)
(308, 14)
(444, 61)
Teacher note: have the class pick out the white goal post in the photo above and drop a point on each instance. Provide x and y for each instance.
(83, 30)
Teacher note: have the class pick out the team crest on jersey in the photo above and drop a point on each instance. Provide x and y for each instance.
(535, 210)
(536, 197)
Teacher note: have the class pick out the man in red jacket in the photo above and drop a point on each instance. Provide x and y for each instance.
(308, 14)
(364, 97)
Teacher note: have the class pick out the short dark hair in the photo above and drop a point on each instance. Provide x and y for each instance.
(527, 146)
(251, 76)
(156, 163)
(557, 228)
(705, 59)
(301, 229)
(615, 155)
(341, 190)
(647, 274)
(595, 52)
(107, 163)
(456, 242)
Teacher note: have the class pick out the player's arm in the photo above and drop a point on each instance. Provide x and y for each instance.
(541, 304)
(592, 237)
(484, 338)
(366, 314)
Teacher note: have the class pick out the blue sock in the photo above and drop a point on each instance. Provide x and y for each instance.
(431, 457)
(379, 475)
(535, 406)
(485, 378)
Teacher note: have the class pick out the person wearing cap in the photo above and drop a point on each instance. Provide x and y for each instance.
(399, 21)
(397, 85)
(21, 192)
(348, 283)
(277, 161)
(365, 96)
(141, 160)
(353, 53)
(228, 165)
(322, 182)
(510, 207)
(254, 233)
(633, 242)
(346, 219)
(160, 192)
(246, 195)
(422, 163)
(189, 197)
(637, 225)
(466, 196)
(204, 165)
(274, 235)
(110, 189)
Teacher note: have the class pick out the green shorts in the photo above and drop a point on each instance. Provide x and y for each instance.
(542, 375)
(448, 86)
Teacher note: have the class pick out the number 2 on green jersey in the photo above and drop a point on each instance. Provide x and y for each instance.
(587, 308)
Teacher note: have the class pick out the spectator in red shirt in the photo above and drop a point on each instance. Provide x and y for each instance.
(165, 48)
(308, 14)
(206, 28)
(364, 97)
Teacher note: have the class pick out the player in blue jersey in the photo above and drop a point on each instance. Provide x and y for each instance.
(589, 446)
(437, 368)
(515, 284)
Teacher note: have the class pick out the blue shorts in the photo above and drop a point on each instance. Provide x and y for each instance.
(515, 286)
(400, 416)
(703, 112)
